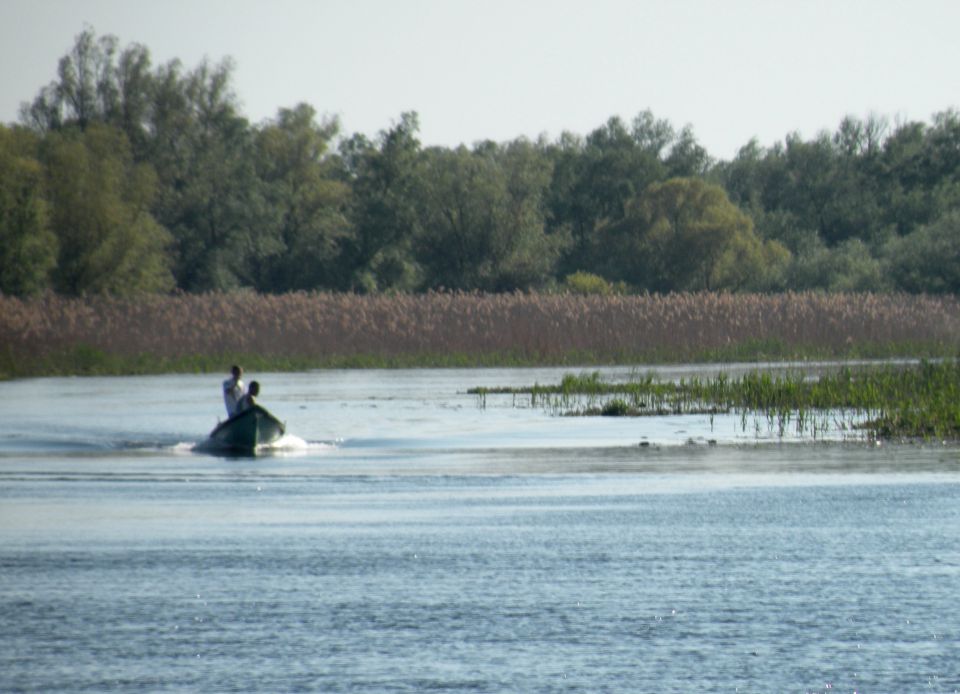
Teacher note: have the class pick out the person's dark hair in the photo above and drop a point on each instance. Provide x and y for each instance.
(236, 370)
(254, 388)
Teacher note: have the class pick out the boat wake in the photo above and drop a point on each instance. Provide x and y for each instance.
(288, 445)
(74, 444)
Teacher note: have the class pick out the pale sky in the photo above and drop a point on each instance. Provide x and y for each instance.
(501, 69)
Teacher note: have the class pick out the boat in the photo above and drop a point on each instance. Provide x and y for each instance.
(244, 431)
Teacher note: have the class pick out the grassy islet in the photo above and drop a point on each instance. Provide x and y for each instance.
(887, 401)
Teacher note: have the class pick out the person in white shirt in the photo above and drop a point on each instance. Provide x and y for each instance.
(233, 391)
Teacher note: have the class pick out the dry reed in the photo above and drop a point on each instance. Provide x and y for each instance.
(525, 327)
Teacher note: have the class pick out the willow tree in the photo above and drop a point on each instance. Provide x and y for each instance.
(482, 223)
(685, 235)
(100, 201)
(384, 189)
(210, 196)
(294, 165)
(928, 259)
(595, 177)
(28, 249)
(97, 83)
(187, 127)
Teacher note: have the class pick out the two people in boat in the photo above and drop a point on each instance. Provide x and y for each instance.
(235, 400)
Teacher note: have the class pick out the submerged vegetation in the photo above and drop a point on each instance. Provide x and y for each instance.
(885, 402)
(51, 334)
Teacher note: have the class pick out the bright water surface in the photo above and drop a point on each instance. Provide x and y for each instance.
(404, 539)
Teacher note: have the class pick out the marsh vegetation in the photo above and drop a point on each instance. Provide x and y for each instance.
(51, 334)
(889, 401)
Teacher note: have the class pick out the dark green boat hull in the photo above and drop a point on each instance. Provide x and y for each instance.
(245, 431)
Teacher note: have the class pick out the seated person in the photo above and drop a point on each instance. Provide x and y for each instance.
(250, 399)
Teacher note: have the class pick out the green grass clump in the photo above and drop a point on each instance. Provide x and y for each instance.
(615, 408)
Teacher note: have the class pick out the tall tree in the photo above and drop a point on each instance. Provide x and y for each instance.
(928, 259)
(384, 181)
(909, 197)
(482, 222)
(533, 249)
(85, 91)
(293, 163)
(100, 200)
(687, 157)
(459, 215)
(211, 197)
(596, 177)
(686, 235)
(135, 97)
(28, 249)
(828, 186)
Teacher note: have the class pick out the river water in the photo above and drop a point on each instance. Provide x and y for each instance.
(405, 538)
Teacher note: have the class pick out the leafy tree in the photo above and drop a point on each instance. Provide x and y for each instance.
(755, 180)
(96, 84)
(588, 284)
(187, 125)
(809, 189)
(651, 134)
(749, 263)
(595, 178)
(928, 259)
(531, 250)
(860, 138)
(850, 266)
(384, 184)
(617, 168)
(921, 172)
(943, 147)
(100, 200)
(565, 208)
(28, 249)
(855, 209)
(687, 157)
(686, 235)
(831, 186)
(85, 91)
(211, 198)
(742, 177)
(908, 191)
(271, 207)
(459, 218)
(482, 224)
(135, 87)
(293, 163)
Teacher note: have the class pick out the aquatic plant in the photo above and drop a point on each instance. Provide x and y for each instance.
(615, 408)
(883, 401)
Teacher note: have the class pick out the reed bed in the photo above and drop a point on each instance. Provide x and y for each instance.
(57, 334)
(882, 401)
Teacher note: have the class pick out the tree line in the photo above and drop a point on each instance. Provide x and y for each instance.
(124, 178)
